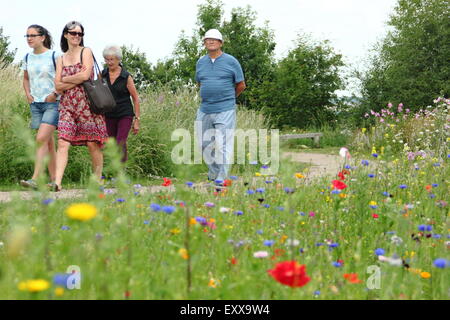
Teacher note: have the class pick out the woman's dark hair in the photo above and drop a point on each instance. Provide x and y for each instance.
(48, 42)
(71, 25)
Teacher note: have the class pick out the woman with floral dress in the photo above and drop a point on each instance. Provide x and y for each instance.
(77, 125)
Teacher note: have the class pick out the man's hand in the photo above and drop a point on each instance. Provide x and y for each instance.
(240, 87)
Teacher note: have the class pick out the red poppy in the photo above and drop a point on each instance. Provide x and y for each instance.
(233, 260)
(341, 175)
(290, 273)
(167, 182)
(375, 216)
(338, 184)
(278, 253)
(227, 183)
(352, 277)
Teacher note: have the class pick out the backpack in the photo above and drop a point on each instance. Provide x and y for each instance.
(53, 58)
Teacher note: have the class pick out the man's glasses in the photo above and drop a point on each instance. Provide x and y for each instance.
(74, 33)
(32, 35)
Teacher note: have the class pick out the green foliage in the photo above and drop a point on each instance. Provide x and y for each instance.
(303, 89)
(6, 56)
(411, 65)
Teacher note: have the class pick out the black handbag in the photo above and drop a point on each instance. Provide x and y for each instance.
(100, 97)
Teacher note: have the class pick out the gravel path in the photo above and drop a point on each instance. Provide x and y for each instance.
(321, 165)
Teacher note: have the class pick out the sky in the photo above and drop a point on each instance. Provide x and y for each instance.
(153, 27)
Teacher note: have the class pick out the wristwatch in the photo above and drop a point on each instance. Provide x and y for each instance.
(138, 118)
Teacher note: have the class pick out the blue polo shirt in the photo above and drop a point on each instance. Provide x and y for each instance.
(218, 81)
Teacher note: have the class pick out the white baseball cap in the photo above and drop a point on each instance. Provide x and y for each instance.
(213, 34)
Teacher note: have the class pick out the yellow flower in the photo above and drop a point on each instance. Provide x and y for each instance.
(386, 135)
(372, 203)
(192, 221)
(299, 176)
(343, 195)
(81, 211)
(363, 130)
(175, 231)
(183, 253)
(374, 150)
(34, 285)
(213, 283)
(59, 292)
(283, 238)
(258, 174)
(425, 275)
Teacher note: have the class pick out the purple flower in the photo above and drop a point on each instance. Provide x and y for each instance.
(280, 208)
(268, 181)
(238, 213)
(265, 167)
(335, 191)
(365, 163)
(386, 194)
(437, 164)
(155, 207)
(440, 263)
(403, 186)
(348, 167)
(337, 264)
(189, 184)
(435, 185)
(65, 228)
(168, 209)
(260, 231)
(209, 204)
(379, 252)
(334, 245)
(233, 177)
(201, 221)
(269, 243)
(146, 221)
(289, 190)
(371, 175)
(266, 205)
(375, 155)
(260, 190)
(47, 201)
(120, 200)
(250, 191)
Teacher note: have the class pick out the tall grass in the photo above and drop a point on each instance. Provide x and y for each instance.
(162, 111)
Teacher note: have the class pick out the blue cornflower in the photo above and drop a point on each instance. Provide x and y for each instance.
(317, 293)
(137, 186)
(250, 191)
(260, 231)
(375, 155)
(373, 206)
(280, 208)
(336, 191)
(266, 205)
(260, 190)
(435, 185)
(47, 201)
(65, 228)
(209, 204)
(218, 181)
(390, 232)
(146, 221)
(302, 214)
(60, 279)
(253, 163)
(440, 263)
(238, 213)
(386, 194)
(168, 209)
(371, 175)
(201, 220)
(289, 190)
(403, 186)
(348, 167)
(319, 244)
(269, 243)
(265, 167)
(432, 196)
(437, 164)
(301, 250)
(120, 200)
(365, 163)
(136, 193)
(379, 252)
(233, 177)
(424, 227)
(155, 207)
(189, 184)
(268, 181)
(437, 236)
(337, 264)
(334, 245)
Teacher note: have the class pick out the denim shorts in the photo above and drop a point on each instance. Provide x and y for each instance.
(44, 112)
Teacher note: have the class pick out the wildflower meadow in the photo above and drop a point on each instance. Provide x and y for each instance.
(376, 229)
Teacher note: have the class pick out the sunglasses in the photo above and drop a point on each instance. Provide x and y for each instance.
(74, 33)
(32, 35)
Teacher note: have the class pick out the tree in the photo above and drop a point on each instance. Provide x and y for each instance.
(302, 92)
(252, 46)
(6, 56)
(412, 62)
(136, 63)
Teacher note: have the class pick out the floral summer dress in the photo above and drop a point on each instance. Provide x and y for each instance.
(77, 124)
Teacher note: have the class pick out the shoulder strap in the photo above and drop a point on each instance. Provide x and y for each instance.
(81, 56)
(53, 58)
(26, 58)
(95, 62)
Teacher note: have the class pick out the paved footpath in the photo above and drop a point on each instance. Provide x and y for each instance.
(321, 165)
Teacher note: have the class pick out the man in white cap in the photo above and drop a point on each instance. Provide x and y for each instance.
(221, 81)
